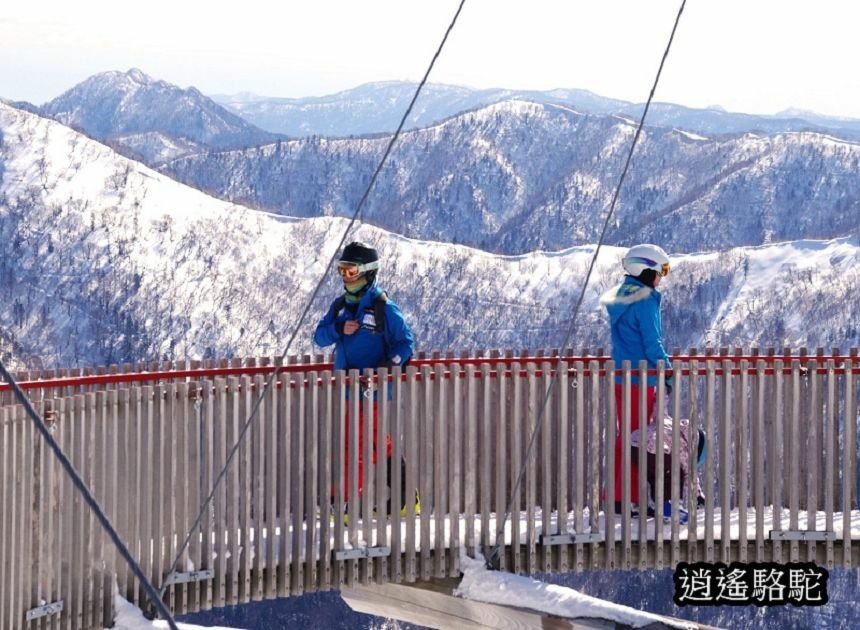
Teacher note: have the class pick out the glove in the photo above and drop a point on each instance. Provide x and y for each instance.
(669, 382)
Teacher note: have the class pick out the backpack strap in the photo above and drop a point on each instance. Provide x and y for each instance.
(379, 317)
(339, 303)
(379, 311)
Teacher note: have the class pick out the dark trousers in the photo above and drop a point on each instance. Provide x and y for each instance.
(651, 473)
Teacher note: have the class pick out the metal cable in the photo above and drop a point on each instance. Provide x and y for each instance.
(154, 596)
(310, 302)
(492, 557)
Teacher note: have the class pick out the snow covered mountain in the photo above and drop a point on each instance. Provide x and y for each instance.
(378, 107)
(512, 177)
(520, 176)
(151, 119)
(105, 260)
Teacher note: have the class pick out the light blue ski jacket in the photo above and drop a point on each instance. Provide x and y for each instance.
(636, 326)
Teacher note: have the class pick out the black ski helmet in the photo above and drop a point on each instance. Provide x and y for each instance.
(360, 254)
(365, 257)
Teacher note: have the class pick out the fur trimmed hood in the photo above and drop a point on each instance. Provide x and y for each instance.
(621, 297)
(625, 293)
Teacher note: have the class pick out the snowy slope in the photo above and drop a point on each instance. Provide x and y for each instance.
(505, 171)
(518, 176)
(104, 260)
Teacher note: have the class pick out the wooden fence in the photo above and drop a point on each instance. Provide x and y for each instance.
(286, 516)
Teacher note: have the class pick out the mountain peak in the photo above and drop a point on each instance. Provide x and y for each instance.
(128, 107)
(139, 76)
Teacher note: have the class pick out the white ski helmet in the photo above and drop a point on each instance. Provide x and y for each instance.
(646, 256)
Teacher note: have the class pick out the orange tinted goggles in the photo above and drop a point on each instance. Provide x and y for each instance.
(349, 271)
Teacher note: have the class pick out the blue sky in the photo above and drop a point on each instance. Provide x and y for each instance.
(756, 56)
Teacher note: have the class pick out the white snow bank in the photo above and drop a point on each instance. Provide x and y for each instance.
(496, 587)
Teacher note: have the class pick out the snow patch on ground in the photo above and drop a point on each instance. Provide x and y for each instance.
(495, 587)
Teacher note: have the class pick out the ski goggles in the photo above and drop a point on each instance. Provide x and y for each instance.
(350, 271)
(662, 269)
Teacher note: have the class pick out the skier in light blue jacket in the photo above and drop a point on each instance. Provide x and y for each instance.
(637, 334)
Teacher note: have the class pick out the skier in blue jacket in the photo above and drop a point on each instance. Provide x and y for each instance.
(637, 334)
(362, 341)
(350, 322)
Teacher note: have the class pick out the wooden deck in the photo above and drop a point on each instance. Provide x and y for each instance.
(153, 445)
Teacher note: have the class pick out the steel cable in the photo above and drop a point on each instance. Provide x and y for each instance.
(252, 414)
(492, 555)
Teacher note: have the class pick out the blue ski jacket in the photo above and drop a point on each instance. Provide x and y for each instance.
(366, 348)
(636, 326)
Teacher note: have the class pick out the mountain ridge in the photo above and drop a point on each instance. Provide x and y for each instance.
(518, 176)
(103, 260)
(379, 106)
(510, 176)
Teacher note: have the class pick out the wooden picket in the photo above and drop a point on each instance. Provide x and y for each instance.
(781, 457)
